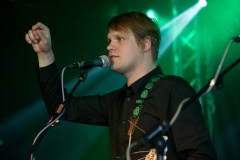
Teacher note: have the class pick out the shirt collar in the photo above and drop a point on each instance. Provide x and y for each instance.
(140, 83)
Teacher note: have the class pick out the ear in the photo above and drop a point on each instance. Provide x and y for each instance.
(147, 44)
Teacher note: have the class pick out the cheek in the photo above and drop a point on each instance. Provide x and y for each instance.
(135, 50)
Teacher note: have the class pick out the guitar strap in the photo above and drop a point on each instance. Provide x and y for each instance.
(140, 101)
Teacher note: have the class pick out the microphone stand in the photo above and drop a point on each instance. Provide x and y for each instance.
(219, 82)
(155, 136)
(81, 78)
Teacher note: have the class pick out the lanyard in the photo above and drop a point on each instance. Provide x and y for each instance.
(140, 101)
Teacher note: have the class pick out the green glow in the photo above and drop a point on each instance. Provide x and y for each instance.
(176, 59)
(160, 20)
(174, 11)
(152, 14)
(190, 60)
(193, 82)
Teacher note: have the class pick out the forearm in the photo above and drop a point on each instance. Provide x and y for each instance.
(50, 86)
(45, 59)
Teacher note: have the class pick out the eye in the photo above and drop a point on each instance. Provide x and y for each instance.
(119, 39)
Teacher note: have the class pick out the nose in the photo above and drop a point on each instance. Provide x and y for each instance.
(110, 47)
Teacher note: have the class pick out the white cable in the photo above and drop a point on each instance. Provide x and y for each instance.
(129, 140)
(62, 83)
(128, 150)
(211, 84)
(63, 97)
(178, 111)
(48, 126)
(213, 81)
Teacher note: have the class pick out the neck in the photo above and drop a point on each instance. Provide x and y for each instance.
(139, 72)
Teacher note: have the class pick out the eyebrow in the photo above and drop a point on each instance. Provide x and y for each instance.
(116, 34)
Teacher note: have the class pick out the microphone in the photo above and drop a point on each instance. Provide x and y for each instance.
(236, 39)
(102, 61)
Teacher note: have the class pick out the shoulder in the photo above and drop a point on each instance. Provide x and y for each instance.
(172, 82)
(171, 79)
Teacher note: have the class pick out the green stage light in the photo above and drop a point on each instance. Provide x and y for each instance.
(152, 14)
(202, 3)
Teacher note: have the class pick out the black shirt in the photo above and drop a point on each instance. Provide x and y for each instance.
(188, 137)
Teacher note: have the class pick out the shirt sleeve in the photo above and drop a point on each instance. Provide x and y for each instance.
(50, 86)
(87, 110)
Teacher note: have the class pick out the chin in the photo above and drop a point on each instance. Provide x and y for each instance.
(115, 68)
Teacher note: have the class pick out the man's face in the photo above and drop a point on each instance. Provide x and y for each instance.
(124, 52)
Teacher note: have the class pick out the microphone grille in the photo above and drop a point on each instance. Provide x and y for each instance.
(105, 60)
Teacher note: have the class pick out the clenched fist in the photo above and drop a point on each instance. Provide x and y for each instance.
(40, 39)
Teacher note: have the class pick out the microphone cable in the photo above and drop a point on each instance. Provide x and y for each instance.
(50, 122)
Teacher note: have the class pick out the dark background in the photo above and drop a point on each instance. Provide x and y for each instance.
(78, 30)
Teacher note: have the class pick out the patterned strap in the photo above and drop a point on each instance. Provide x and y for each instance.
(140, 101)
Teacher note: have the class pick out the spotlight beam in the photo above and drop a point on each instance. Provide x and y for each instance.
(172, 29)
